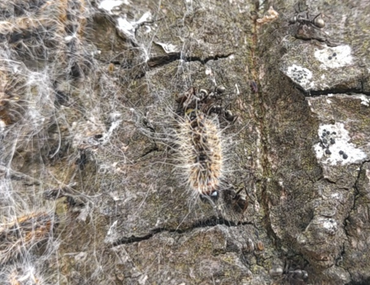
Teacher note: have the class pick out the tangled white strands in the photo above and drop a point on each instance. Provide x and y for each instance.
(40, 45)
(17, 237)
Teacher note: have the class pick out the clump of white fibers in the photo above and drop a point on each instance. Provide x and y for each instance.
(22, 274)
(200, 158)
(21, 234)
(26, 247)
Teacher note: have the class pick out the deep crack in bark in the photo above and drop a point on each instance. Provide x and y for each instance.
(164, 60)
(211, 222)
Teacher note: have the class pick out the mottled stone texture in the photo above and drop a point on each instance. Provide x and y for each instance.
(88, 115)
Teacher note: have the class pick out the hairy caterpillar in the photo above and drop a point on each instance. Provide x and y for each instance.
(195, 135)
(201, 152)
(200, 143)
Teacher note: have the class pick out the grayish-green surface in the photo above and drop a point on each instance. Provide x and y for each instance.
(87, 107)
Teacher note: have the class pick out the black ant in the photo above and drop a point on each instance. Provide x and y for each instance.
(304, 18)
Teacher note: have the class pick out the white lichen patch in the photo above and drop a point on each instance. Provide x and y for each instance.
(300, 75)
(334, 57)
(329, 224)
(109, 5)
(129, 28)
(365, 100)
(335, 146)
(168, 47)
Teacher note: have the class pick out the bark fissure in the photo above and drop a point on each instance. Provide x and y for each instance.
(352, 91)
(211, 222)
(156, 62)
(262, 125)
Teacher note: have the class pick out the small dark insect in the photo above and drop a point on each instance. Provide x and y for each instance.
(304, 18)
(204, 101)
(229, 116)
(294, 275)
(235, 200)
(213, 197)
(217, 109)
(239, 203)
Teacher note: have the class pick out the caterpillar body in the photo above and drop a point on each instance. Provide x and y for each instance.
(201, 152)
(201, 147)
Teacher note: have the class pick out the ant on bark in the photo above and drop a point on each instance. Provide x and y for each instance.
(304, 18)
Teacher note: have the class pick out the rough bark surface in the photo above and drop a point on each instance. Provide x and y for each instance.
(91, 192)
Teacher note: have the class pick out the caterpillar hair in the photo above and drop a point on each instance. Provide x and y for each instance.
(200, 152)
